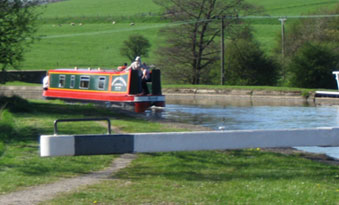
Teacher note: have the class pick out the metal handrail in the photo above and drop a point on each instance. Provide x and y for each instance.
(85, 119)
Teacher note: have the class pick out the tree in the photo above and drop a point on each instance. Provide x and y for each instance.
(136, 45)
(247, 64)
(307, 35)
(312, 66)
(17, 29)
(191, 47)
(325, 30)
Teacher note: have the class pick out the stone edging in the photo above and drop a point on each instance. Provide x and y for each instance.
(35, 92)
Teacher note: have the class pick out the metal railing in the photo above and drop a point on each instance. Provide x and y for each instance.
(86, 119)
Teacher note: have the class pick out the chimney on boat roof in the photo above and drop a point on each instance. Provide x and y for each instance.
(99, 68)
(75, 68)
(89, 68)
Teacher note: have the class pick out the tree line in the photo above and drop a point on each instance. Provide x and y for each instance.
(191, 54)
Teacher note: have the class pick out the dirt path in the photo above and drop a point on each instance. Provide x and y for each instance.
(35, 195)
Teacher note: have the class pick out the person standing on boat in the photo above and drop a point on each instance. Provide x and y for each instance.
(145, 78)
(45, 83)
(135, 65)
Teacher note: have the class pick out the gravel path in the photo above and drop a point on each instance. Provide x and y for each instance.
(35, 195)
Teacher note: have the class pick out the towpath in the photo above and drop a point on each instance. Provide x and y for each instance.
(38, 194)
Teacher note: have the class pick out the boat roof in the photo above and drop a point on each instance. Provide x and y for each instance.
(87, 70)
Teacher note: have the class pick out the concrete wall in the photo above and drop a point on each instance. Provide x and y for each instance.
(27, 92)
(29, 76)
(229, 97)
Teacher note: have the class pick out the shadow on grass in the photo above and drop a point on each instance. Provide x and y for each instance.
(45, 113)
(227, 166)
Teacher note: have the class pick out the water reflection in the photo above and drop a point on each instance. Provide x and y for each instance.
(254, 117)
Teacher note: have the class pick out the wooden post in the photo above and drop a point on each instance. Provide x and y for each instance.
(222, 51)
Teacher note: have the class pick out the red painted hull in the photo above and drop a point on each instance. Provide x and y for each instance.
(140, 103)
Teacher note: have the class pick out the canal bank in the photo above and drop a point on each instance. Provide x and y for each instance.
(223, 97)
(244, 97)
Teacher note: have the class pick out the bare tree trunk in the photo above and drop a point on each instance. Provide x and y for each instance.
(191, 46)
(3, 76)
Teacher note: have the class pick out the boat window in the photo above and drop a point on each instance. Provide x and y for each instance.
(101, 83)
(84, 82)
(72, 81)
(61, 81)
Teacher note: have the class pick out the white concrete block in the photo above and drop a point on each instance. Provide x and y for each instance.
(60, 145)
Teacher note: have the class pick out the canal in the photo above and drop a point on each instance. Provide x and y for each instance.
(264, 117)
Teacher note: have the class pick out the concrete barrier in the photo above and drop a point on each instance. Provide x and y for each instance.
(29, 76)
(27, 92)
(54, 145)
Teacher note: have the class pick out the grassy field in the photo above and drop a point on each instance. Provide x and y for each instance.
(292, 7)
(215, 177)
(20, 164)
(97, 42)
(90, 45)
(100, 8)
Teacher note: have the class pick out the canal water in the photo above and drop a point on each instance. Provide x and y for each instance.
(257, 118)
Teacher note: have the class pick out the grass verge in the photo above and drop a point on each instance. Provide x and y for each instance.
(20, 83)
(215, 177)
(20, 163)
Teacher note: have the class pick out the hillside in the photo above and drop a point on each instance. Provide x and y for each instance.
(291, 7)
(93, 41)
(99, 11)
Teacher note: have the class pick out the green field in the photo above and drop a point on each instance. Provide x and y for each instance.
(292, 7)
(100, 8)
(90, 45)
(96, 43)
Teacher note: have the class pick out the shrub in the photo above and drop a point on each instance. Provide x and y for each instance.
(136, 45)
(312, 67)
(248, 65)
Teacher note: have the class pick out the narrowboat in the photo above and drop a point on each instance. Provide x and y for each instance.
(104, 86)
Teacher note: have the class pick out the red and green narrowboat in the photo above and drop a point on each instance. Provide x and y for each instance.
(104, 86)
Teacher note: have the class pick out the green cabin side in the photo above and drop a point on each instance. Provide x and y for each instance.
(79, 81)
